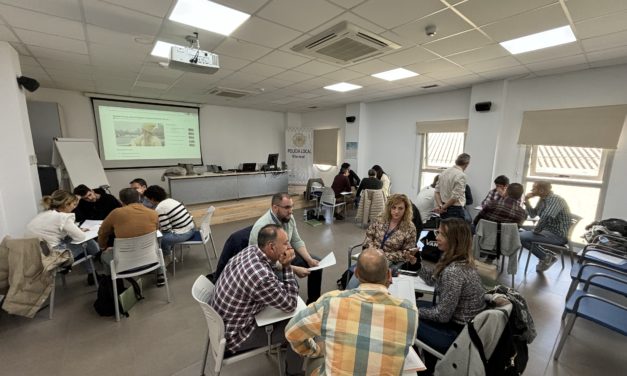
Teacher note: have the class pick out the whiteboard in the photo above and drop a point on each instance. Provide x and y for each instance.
(81, 161)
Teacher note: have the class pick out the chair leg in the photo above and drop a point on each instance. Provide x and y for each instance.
(527, 263)
(63, 282)
(93, 272)
(562, 339)
(165, 278)
(204, 246)
(173, 260)
(562, 257)
(115, 299)
(215, 254)
(54, 285)
(204, 358)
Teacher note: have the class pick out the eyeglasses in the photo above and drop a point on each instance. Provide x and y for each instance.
(288, 207)
(438, 232)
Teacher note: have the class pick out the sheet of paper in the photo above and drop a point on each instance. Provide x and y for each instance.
(419, 284)
(328, 260)
(413, 363)
(403, 288)
(607, 258)
(89, 223)
(271, 315)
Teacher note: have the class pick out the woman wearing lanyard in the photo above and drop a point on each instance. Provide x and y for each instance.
(393, 232)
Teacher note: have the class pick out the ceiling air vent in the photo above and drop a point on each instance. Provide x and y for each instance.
(229, 93)
(430, 86)
(344, 44)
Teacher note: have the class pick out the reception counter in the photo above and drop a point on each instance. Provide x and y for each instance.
(210, 187)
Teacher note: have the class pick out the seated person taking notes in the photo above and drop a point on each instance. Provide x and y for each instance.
(95, 204)
(248, 284)
(131, 220)
(371, 182)
(56, 227)
(281, 214)
(346, 328)
(140, 186)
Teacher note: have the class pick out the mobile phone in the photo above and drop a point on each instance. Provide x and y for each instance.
(408, 272)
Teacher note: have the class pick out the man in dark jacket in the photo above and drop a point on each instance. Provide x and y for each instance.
(352, 176)
(371, 182)
(94, 203)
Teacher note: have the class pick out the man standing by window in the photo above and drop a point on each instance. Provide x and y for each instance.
(450, 197)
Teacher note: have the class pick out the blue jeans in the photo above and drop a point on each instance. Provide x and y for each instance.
(170, 239)
(439, 336)
(529, 237)
(454, 212)
(77, 250)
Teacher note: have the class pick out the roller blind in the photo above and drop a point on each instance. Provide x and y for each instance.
(454, 125)
(597, 127)
(325, 146)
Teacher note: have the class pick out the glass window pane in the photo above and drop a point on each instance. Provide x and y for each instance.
(582, 201)
(426, 178)
(443, 148)
(569, 161)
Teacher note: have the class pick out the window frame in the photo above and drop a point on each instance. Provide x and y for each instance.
(532, 158)
(424, 168)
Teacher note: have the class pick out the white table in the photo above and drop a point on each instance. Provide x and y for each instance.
(270, 315)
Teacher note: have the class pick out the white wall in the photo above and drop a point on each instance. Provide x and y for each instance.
(390, 138)
(19, 182)
(229, 135)
(326, 119)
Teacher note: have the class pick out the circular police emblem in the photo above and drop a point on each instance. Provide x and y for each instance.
(299, 140)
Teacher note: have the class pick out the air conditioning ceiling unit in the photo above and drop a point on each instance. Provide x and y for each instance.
(345, 44)
(229, 93)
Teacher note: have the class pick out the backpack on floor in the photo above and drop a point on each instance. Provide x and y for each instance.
(105, 304)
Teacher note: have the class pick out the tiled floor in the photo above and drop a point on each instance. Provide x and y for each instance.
(168, 339)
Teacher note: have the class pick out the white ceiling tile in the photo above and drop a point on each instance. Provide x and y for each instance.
(293, 76)
(316, 68)
(43, 52)
(63, 8)
(463, 81)
(273, 83)
(451, 73)
(299, 14)
(262, 69)
(20, 48)
(232, 63)
(283, 59)
(151, 85)
(7, 35)
(118, 40)
(165, 76)
(447, 23)
(532, 22)
(492, 64)
(174, 32)
(602, 25)
(307, 95)
(34, 38)
(437, 65)
(372, 67)
(351, 18)
(66, 65)
(241, 49)
(103, 74)
(605, 41)
(610, 62)
(392, 13)
(343, 75)
(563, 69)
(78, 85)
(246, 6)
(519, 71)
(611, 53)
(120, 19)
(582, 9)
(62, 74)
(479, 54)
(569, 49)
(35, 72)
(265, 33)
(240, 79)
(347, 3)
(158, 8)
(27, 60)
(458, 43)
(482, 12)
(557, 63)
(366, 81)
(26, 19)
(408, 56)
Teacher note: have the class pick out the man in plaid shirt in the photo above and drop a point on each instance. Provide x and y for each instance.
(505, 210)
(363, 331)
(248, 284)
(500, 185)
(552, 228)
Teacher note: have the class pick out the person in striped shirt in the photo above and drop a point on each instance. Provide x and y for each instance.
(363, 331)
(552, 228)
(175, 222)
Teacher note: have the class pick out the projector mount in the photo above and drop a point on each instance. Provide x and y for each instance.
(194, 42)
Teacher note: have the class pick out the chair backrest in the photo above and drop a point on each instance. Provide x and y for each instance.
(205, 225)
(328, 196)
(574, 219)
(131, 253)
(487, 228)
(310, 183)
(234, 244)
(202, 290)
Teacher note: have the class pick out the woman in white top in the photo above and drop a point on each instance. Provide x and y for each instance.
(381, 175)
(56, 227)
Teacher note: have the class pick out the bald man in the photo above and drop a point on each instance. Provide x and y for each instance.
(332, 327)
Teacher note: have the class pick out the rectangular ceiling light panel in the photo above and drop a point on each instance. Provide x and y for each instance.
(208, 16)
(342, 87)
(545, 39)
(395, 74)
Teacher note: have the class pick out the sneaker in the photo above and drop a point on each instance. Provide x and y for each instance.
(160, 280)
(546, 263)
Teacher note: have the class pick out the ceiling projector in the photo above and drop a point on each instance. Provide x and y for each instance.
(193, 60)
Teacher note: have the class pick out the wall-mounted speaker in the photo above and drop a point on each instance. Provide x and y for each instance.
(483, 106)
(350, 119)
(28, 83)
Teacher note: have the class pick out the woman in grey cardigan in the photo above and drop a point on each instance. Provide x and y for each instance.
(458, 288)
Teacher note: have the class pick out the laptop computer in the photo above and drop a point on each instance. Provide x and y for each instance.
(249, 167)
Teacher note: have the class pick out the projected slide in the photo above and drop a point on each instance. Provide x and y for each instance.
(133, 134)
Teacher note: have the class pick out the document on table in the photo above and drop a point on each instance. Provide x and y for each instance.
(419, 284)
(92, 227)
(413, 363)
(403, 288)
(270, 315)
(328, 260)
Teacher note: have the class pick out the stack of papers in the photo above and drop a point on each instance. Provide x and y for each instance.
(328, 260)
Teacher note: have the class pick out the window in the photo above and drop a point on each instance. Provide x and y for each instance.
(578, 174)
(439, 151)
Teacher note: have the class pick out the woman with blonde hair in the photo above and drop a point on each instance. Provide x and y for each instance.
(457, 286)
(393, 232)
(56, 227)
